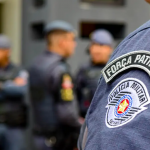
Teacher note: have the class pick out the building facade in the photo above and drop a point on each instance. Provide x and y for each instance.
(23, 21)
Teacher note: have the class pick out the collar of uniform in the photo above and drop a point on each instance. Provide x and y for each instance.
(7, 67)
(141, 28)
(47, 52)
(97, 65)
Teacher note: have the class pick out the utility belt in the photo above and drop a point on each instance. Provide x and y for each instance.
(52, 136)
(15, 117)
(51, 131)
(59, 137)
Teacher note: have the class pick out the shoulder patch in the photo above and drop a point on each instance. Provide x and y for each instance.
(67, 88)
(126, 101)
(67, 82)
(137, 59)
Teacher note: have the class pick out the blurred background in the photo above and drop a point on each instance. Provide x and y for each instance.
(23, 21)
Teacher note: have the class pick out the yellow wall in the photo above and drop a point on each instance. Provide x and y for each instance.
(11, 26)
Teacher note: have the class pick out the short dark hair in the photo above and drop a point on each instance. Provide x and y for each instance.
(54, 32)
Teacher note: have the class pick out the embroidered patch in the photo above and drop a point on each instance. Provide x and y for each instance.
(126, 100)
(67, 88)
(67, 82)
(137, 59)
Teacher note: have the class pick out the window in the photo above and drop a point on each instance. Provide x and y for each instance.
(111, 2)
(116, 29)
(37, 30)
(38, 3)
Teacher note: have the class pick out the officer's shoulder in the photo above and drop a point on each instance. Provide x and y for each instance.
(62, 67)
(19, 70)
(37, 59)
(135, 45)
(16, 67)
(137, 40)
(13, 65)
(40, 62)
(145, 27)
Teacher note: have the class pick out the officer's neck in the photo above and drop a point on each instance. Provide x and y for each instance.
(98, 63)
(57, 50)
(4, 64)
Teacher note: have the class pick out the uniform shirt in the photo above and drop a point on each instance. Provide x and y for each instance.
(13, 81)
(52, 92)
(119, 116)
(13, 92)
(86, 84)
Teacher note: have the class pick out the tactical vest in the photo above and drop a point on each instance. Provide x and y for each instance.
(91, 75)
(13, 110)
(43, 102)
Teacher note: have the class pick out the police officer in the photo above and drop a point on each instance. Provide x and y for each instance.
(119, 114)
(13, 107)
(100, 50)
(52, 90)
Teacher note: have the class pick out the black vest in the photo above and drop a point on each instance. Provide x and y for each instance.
(13, 110)
(42, 98)
(90, 75)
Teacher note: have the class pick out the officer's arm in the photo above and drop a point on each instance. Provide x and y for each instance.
(67, 108)
(67, 105)
(16, 87)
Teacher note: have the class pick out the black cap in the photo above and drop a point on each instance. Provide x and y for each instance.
(58, 24)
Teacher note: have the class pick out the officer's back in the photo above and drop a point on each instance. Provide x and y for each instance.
(51, 84)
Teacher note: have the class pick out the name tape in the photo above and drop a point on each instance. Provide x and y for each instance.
(137, 59)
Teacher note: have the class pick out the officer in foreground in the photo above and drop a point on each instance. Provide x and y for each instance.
(13, 108)
(56, 119)
(100, 50)
(119, 114)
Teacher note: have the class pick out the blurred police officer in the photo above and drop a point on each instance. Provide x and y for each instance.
(53, 100)
(100, 50)
(13, 108)
(119, 115)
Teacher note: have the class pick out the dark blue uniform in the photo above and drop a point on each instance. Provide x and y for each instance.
(86, 84)
(119, 115)
(88, 75)
(53, 100)
(13, 107)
